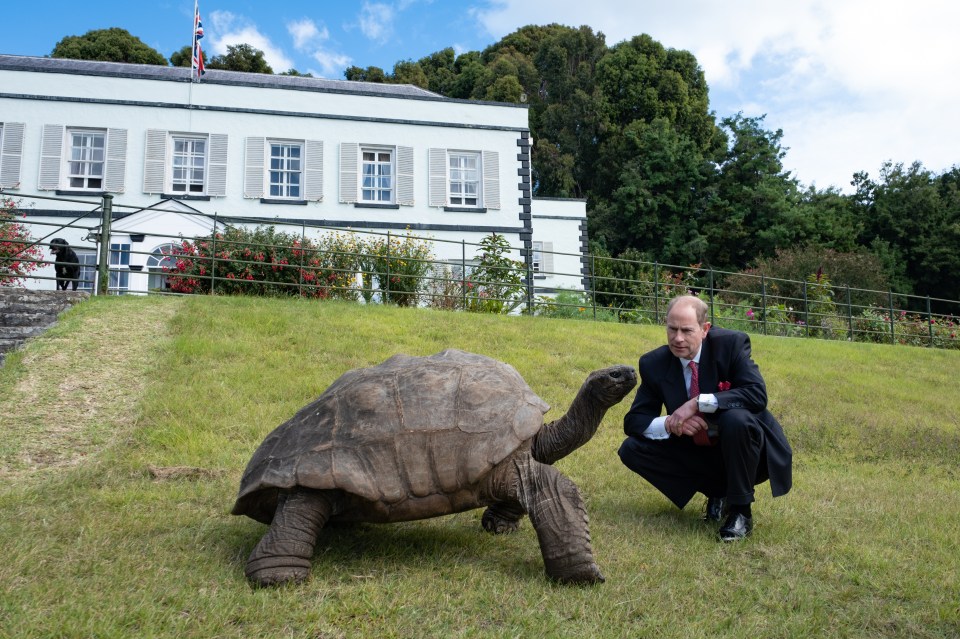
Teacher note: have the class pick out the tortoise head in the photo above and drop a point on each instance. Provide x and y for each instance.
(608, 386)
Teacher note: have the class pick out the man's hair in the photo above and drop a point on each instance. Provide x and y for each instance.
(699, 306)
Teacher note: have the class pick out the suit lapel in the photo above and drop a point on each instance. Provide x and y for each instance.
(675, 389)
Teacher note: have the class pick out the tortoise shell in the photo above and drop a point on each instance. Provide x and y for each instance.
(406, 439)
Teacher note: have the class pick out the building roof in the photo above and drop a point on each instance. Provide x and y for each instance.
(212, 76)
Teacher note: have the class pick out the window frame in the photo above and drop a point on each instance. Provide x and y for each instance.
(69, 159)
(171, 180)
(269, 170)
(88, 269)
(462, 181)
(119, 280)
(377, 162)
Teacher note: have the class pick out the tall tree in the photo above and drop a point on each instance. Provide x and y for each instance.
(108, 45)
(183, 57)
(241, 57)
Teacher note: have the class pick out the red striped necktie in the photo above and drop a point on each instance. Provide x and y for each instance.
(700, 438)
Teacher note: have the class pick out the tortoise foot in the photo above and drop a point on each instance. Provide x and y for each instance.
(270, 575)
(501, 520)
(582, 574)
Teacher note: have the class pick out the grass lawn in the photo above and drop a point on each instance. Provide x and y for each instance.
(125, 430)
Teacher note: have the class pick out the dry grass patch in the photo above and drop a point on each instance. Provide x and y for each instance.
(63, 399)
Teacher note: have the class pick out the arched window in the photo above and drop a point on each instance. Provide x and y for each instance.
(159, 263)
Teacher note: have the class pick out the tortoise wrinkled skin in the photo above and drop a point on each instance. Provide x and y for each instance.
(420, 437)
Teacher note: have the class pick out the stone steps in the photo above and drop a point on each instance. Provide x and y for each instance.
(25, 314)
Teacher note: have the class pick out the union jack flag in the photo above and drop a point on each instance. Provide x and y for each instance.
(197, 65)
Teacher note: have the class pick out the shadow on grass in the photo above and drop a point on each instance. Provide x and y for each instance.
(366, 549)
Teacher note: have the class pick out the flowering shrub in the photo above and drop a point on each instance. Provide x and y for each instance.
(913, 329)
(496, 284)
(18, 254)
(400, 265)
(262, 262)
(568, 304)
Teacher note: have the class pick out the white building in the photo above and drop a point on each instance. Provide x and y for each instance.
(268, 148)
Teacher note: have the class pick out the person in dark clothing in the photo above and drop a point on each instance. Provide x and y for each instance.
(717, 436)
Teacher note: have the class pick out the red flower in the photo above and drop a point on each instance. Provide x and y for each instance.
(723, 386)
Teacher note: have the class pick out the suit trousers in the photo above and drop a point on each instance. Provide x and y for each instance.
(678, 468)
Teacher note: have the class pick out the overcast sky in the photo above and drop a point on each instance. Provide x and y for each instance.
(852, 83)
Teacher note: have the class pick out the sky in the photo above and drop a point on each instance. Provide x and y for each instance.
(850, 83)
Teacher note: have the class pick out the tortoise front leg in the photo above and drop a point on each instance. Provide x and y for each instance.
(557, 513)
(284, 553)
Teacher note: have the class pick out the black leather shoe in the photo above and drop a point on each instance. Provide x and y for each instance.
(736, 527)
(713, 511)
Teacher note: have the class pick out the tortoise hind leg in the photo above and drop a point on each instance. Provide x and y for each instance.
(557, 513)
(284, 553)
(502, 517)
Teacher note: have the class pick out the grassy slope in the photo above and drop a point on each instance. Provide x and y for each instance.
(865, 545)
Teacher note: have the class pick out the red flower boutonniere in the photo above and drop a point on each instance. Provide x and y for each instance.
(723, 386)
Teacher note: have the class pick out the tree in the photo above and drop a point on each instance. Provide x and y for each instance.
(108, 45)
(241, 57)
(370, 74)
(183, 57)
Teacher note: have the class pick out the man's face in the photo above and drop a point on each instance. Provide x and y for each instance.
(684, 334)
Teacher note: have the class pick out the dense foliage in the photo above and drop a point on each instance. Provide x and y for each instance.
(629, 128)
(108, 45)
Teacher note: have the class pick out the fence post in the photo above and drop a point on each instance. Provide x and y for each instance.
(850, 315)
(593, 284)
(806, 310)
(103, 263)
(893, 330)
(386, 296)
(929, 322)
(713, 311)
(763, 302)
(656, 292)
(213, 257)
(303, 249)
(463, 272)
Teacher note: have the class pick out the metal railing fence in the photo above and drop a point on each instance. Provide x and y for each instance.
(403, 268)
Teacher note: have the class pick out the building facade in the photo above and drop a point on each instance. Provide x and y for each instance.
(176, 155)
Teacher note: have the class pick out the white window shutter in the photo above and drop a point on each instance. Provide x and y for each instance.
(437, 159)
(154, 161)
(11, 154)
(217, 165)
(253, 176)
(51, 151)
(349, 157)
(313, 171)
(491, 179)
(405, 175)
(547, 253)
(116, 167)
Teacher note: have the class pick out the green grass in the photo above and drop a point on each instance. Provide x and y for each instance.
(95, 546)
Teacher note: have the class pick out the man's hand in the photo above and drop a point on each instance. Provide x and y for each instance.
(686, 420)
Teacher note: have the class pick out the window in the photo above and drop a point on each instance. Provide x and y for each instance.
(180, 165)
(464, 179)
(119, 267)
(189, 165)
(541, 256)
(85, 166)
(82, 159)
(285, 170)
(377, 171)
(88, 270)
(159, 263)
(376, 176)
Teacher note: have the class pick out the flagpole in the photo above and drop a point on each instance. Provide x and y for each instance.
(193, 43)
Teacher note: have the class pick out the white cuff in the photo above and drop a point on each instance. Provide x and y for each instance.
(657, 429)
(707, 403)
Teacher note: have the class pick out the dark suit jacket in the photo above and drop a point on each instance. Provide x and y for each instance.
(724, 357)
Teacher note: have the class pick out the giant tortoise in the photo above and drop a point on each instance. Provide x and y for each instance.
(419, 437)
